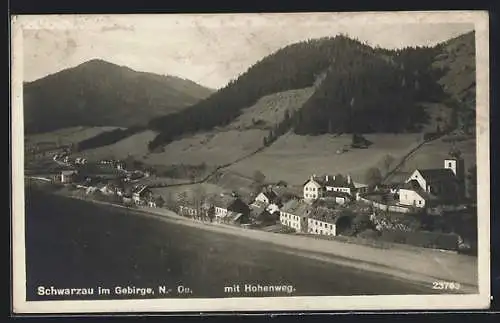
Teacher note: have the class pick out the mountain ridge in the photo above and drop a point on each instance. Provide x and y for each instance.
(100, 93)
(400, 84)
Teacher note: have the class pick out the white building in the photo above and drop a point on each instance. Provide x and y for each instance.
(67, 176)
(268, 196)
(428, 186)
(313, 189)
(294, 215)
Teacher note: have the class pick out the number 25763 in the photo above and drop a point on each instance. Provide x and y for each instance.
(443, 285)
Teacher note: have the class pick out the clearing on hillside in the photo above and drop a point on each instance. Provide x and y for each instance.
(270, 109)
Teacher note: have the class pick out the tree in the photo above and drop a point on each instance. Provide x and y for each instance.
(472, 183)
(360, 223)
(259, 177)
(159, 201)
(199, 197)
(373, 176)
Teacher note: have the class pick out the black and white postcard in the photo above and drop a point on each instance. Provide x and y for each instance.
(250, 162)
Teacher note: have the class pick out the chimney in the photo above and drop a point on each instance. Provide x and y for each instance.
(326, 178)
(349, 180)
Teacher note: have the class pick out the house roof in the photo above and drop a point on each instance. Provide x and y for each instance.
(414, 186)
(359, 185)
(296, 207)
(411, 185)
(258, 204)
(223, 201)
(315, 180)
(230, 202)
(257, 209)
(140, 189)
(324, 214)
(338, 181)
(437, 175)
(270, 194)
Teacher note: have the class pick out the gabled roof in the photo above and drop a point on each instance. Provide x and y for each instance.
(324, 214)
(223, 201)
(437, 175)
(296, 207)
(258, 204)
(270, 194)
(140, 189)
(231, 203)
(411, 185)
(315, 180)
(414, 186)
(257, 209)
(339, 181)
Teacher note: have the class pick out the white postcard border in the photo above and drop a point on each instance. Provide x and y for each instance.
(329, 303)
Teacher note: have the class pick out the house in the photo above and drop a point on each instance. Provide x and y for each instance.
(140, 194)
(339, 183)
(225, 204)
(267, 196)
(314, 188)
(361, 188)
(317, 186)
(188, 211)
(260, 215)
(322, 221)
(427, 187)
(67, 176)
(294, 214)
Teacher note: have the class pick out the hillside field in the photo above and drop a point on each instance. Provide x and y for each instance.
(432, 154)
(66, 136)
(295, 158)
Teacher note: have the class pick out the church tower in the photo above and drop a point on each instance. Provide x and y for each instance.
(457, 165)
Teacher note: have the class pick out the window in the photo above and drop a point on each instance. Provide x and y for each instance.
(449, 164)
(419, 202)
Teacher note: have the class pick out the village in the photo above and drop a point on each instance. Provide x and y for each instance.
(409, 210)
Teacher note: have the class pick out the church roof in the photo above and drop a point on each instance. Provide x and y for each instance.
(437, 175)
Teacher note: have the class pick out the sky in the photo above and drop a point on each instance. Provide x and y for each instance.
(208, 49)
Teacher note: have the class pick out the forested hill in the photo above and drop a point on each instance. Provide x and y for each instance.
(99, 93)
(381, 92)
(358, 89)
(292, 67)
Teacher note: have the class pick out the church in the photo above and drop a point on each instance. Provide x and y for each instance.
(431, 187)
